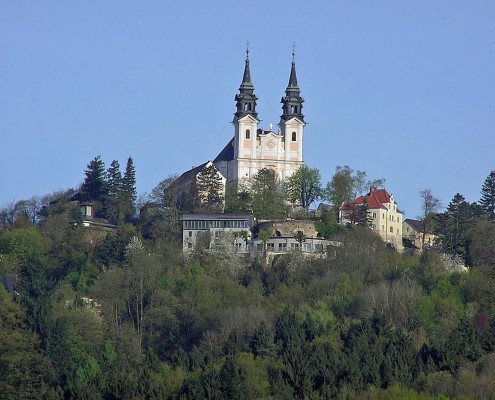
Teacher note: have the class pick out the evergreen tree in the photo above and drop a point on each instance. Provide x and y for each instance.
(128, 194)
(363, 216)
(210, 189)
(261, 343)
(456, 224)
(191, 200)
(94, 187)
(296, 353)
(487, 201)
(230, 381)
(114, 190)
(237, 197)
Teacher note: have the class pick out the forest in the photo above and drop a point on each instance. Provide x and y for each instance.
(127, 315)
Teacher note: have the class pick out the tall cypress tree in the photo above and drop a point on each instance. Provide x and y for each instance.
(487, 201)
(129, 194)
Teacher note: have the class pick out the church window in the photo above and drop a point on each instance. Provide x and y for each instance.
(294, 136)
(248, 134)
(391, 229)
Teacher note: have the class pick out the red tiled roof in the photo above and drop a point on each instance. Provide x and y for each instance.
(375, 199)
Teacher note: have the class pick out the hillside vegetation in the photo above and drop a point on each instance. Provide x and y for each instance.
(128, 316)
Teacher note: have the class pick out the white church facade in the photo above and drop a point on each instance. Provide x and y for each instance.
(252, 148)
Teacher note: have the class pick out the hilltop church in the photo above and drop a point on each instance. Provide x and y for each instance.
(253, 148)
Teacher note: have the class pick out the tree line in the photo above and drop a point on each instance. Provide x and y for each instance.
(129, 315)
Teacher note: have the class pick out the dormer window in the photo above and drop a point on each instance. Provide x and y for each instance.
(294, 136)
(248, 134)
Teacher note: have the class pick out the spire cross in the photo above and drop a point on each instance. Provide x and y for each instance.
(247, 48)
(293, 50)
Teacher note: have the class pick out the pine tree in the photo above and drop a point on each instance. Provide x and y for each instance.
(230, 381)
(94, 186)
(456, 223)
(487, 201)
(114, 189)
(210, 189)
(363, 217)
(128, 194)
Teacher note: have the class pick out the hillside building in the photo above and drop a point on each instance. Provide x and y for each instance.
(384, 216)
(413, 232)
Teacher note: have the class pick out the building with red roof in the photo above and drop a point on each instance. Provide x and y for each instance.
(383, 215)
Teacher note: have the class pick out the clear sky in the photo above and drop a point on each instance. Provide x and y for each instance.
(401, 90)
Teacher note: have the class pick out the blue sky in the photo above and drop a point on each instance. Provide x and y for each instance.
(401, 90)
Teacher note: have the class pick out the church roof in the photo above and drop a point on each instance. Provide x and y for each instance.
(227, 153)
(188, 175)
(293, 78)
(246, 77)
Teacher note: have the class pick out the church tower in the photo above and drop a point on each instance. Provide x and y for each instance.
(246, 125)
(292, 123)
(255, 148)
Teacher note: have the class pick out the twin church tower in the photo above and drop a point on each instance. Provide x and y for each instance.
(253, 148)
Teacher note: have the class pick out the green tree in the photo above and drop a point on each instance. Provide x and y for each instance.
(25, 372)
(295, 352)
(129, 194)
(94, 187)
(114, 191)
(455, 225)
(304, 186)
(264, 236)
(487, 200)
(261, 343)
(230, 380)
(237, 197)
(341, 187)
(363, 216)
(483, 245)
(210, 189)
(267, 196)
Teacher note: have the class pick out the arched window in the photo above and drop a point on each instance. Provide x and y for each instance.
(292, 109)
(248, 134)
(294, 136)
